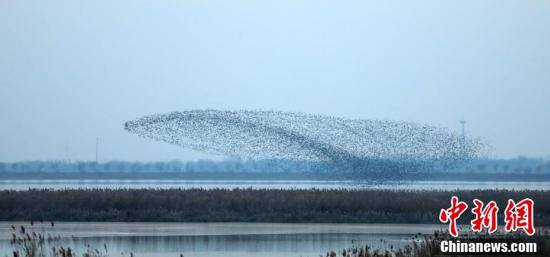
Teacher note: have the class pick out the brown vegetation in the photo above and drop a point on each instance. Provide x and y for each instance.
(248, 205)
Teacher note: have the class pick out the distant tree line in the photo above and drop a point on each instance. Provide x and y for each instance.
(271, 166)
(520, 165)
(247, 205)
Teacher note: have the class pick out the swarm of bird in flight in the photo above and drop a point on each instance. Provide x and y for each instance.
(298, 136)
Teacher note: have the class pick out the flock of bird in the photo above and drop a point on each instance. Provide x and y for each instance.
(298, 136)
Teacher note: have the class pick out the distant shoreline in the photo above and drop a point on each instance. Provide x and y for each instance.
(129, 229)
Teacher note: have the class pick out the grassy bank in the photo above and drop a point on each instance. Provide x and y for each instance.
(247, 205)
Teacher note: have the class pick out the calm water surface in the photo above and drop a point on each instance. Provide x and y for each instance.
(222, 239)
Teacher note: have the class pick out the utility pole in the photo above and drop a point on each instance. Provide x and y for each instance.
(67, 158)
(463, 137)
(96, 149)
(463, 123)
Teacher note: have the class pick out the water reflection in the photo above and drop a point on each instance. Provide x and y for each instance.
(220, 239)
(230, 245)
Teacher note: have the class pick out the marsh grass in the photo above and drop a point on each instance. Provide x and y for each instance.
(429, 246)
(28, 242)
(251, 205)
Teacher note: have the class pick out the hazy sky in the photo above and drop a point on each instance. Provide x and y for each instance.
(71, 71)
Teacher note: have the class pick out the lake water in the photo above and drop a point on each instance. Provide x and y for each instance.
(268, 184)
(222, 239)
